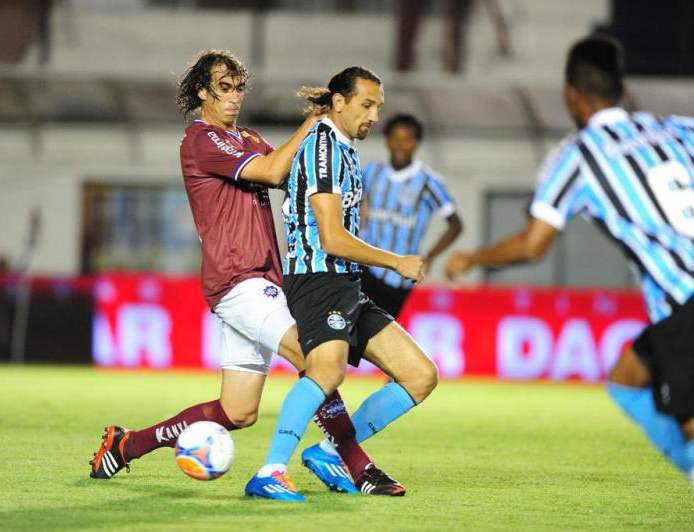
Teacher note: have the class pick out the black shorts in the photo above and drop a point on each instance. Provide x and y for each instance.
(387, 297)
(331, 306)
(667, 350)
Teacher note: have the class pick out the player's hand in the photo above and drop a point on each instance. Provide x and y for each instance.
(410, 266)
(459, 263)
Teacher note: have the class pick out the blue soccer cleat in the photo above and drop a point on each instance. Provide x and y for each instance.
(276, 486)
(328, 468)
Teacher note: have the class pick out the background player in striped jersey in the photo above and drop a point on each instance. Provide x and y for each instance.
(336, 322)
(226, 170)
(633, 175)
(400, 197)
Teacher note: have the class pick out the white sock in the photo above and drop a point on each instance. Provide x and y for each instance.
(328, 447)
(268, 469)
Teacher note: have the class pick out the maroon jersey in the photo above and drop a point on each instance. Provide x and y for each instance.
(232, 216)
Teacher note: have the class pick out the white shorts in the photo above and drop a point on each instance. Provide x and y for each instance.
(254, 317)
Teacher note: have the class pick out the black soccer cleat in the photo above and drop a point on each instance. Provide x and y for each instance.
(110, 458)
(373, 481)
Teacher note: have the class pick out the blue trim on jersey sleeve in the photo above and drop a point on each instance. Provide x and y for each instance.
(244, 161)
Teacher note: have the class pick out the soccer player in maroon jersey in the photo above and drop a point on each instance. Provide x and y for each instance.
(226, 171)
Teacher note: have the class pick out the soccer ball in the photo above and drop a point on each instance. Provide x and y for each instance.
(204, 450)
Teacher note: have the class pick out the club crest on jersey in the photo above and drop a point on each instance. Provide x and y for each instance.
(246, 134)
(336, 321)
(333, 409)
(271, 291)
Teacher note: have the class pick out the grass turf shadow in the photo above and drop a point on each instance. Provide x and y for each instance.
(154, 505)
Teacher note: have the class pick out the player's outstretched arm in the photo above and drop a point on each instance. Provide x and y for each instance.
(337, 241)
(528, 245)
(272, 168)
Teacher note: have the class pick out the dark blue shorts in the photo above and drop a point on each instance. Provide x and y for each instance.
(331, 306)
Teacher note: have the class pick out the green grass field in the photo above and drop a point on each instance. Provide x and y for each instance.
(475, 455)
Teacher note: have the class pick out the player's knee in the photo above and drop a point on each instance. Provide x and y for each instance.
(629, 371)
(423, 381)
(328, 381)
(239, 417)
(243, 419)
(295, 357)
(688, 428)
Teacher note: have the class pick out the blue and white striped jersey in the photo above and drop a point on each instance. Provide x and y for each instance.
(326, 162)
(400, 206)
(634, 176)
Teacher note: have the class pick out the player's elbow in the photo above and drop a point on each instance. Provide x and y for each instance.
(329, 247)
(330, 242)
(274, 179)
(270, 177)
(456, 227)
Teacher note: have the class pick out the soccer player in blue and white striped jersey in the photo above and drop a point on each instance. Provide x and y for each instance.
(633, 175)
(337, 323)
(400, 198)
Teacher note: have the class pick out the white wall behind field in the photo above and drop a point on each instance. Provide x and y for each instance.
(481, 139)
(70, 156)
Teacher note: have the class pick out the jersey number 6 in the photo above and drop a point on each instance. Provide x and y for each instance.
(672, 186)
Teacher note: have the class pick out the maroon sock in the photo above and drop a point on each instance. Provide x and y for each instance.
(165, 433)
(334, 421)
(332, 418)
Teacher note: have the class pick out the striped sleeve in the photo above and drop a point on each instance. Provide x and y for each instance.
(323, 162)
(443, 202)
(682, 127)
(559, 185)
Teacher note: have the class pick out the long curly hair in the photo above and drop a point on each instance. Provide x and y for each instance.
(199, 76)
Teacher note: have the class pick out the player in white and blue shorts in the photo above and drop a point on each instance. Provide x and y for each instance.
(632, 174)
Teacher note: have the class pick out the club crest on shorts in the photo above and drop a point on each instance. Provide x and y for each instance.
(271, 291)
(336, 321)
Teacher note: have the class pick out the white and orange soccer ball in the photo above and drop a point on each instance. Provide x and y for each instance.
(204, 450)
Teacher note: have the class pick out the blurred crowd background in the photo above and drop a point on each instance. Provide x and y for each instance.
(90, 180)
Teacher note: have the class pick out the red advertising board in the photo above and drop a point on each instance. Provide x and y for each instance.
(515, 332)
(524, 333)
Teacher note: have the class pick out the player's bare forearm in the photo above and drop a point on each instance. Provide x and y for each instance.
(352, 248)
(528, 245)
(337, 241)
(272, 168)
(512, 250)
(453, 231)
(346, 245)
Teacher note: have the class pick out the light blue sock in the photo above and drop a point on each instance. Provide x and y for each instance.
(662, 430)
(298, 408)
(381, 408)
